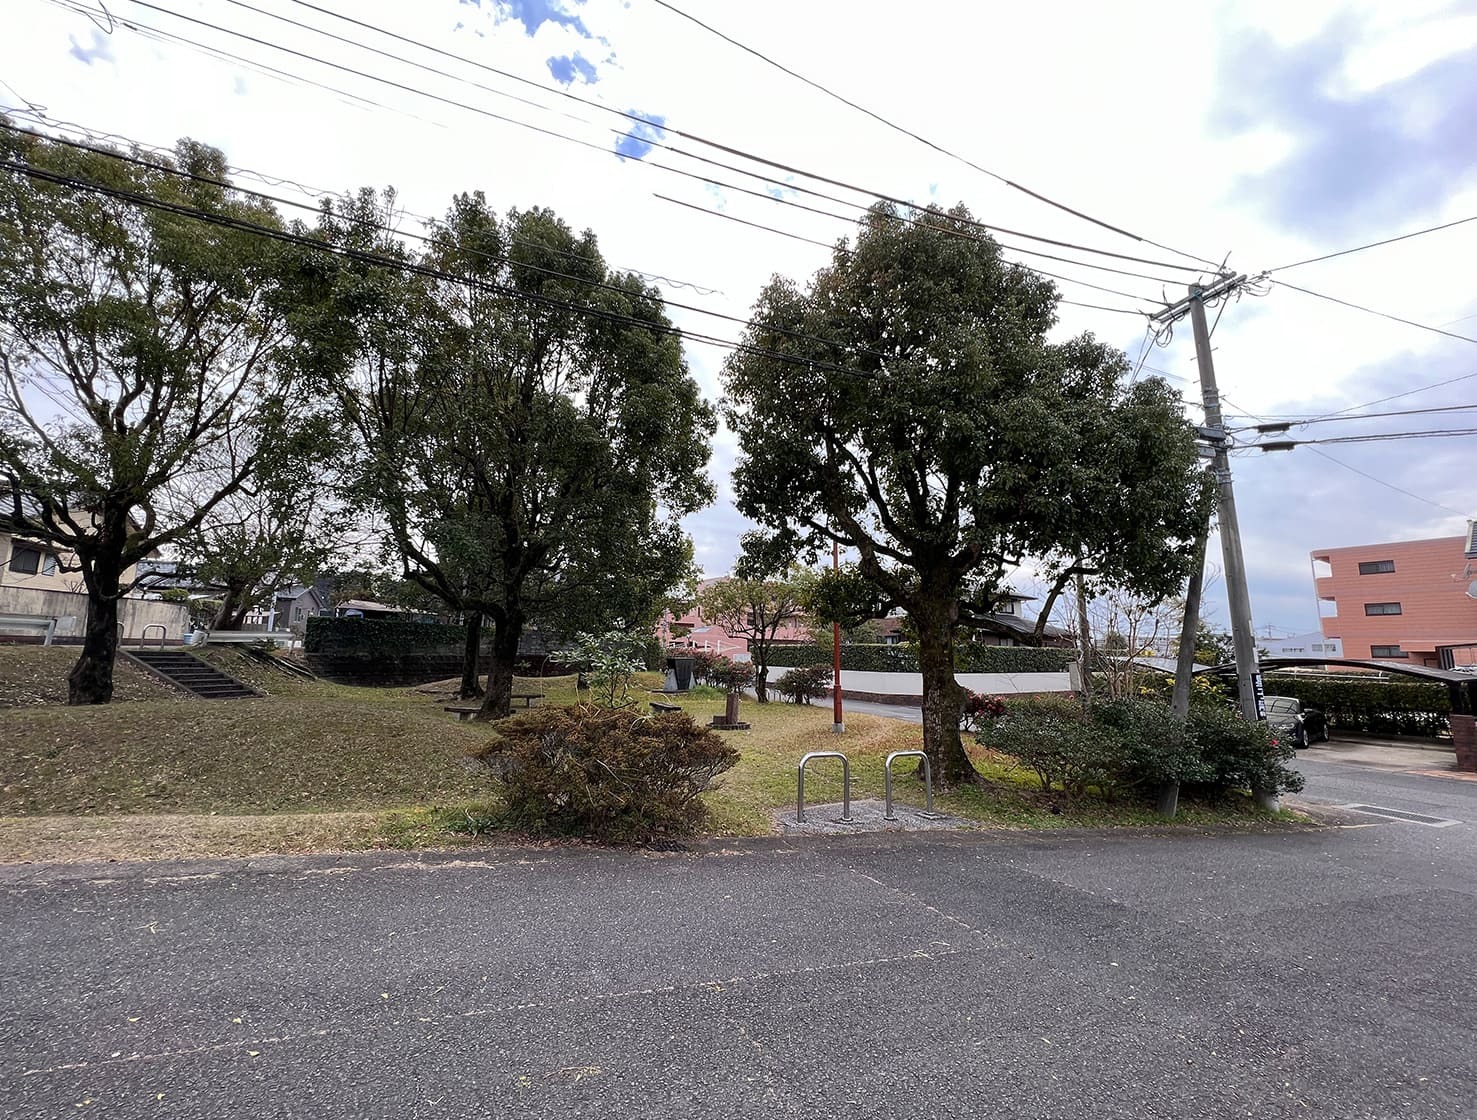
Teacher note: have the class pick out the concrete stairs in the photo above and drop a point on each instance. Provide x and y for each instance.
(187, 672)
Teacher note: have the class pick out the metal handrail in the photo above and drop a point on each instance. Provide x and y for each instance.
(928, 812)
(845, 784)
(163, 634)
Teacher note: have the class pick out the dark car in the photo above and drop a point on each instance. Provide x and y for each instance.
(1300, 726)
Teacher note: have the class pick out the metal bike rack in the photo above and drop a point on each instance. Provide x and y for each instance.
(928, 812)
(845, 784)
(163, 634)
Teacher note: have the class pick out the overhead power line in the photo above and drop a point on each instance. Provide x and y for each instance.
(316, 245)
(654, 142)
(912, 221)
(423, 239)
(924, 140)
(1284, 424)
(1380, 437)
(1362, 473)
(1370, 245)
(316, 193)
(1400, 396)
(1372, 311)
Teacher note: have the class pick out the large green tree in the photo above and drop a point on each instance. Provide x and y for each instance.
(136, 345)
(909, 404)
(530, 433)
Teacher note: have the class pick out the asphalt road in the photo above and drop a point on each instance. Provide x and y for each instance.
(1301, 974)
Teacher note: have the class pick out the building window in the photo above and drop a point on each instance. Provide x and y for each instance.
(1387, 651)
(1375, 567)
(25, 560)
(1381, 608)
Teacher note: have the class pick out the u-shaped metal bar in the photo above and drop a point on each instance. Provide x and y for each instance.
(845, 784)
(888, 815)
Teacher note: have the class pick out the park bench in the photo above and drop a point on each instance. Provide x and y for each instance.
(465, 712)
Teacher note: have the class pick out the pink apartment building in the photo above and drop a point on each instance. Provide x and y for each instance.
(1399, 601)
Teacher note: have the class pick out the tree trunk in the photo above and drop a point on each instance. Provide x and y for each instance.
(943, 698)
(228, 617)
(472, 659)
(91, 678)
(499, 699)
(761, 681)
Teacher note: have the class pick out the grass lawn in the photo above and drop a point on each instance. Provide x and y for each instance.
(317, 766)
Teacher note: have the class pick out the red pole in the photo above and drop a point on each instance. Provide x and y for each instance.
(839, 724)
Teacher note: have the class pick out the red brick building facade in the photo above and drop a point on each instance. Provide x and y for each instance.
(1398, 601)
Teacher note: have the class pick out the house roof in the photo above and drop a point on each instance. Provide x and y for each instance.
(370, 605)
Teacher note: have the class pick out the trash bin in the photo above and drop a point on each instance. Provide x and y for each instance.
(679, 674)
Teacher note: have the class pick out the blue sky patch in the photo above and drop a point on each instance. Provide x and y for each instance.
(100, 50)
(636, 144)
(569, 67)
(533, 14)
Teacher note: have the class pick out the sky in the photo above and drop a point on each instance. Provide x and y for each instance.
(1256, 132)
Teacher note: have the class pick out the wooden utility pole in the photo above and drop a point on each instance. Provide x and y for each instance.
(1238, 597)
(838, 719)
(1084, 637)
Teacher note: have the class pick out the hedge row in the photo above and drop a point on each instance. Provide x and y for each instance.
(969, 658)
(1391, 707)
(374, 637)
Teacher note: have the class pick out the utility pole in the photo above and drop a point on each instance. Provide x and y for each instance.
(1184, 667)
(1084, 637)
(838, 720)
(1243, 634)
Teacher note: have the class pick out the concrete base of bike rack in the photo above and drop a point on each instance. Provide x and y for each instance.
(866, 817)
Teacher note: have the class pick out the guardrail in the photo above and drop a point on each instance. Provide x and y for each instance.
(845, 784)
(46, 626)
(163, 634)
(928, 812)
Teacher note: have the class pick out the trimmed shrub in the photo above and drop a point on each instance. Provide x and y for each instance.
(1058, 740)
(1132, 746)
(731, 676)
(801, 686)
(373, 637)
(1403, 707)
(605, 774)
(703, 661)
(1240, 753)
(1156, 747)
(969, 658)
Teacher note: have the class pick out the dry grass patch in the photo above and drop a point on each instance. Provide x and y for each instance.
(37, 675)
(277, 754)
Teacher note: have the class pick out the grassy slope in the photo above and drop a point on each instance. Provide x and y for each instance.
(318, 765)
(37, 675)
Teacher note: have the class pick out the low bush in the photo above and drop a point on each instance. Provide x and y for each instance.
(1058, 740)
(605, 774)
(1240, 753)
(731, 676)
(804, 685)
(1129, 747)
(1155, 746)
(703, 661)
